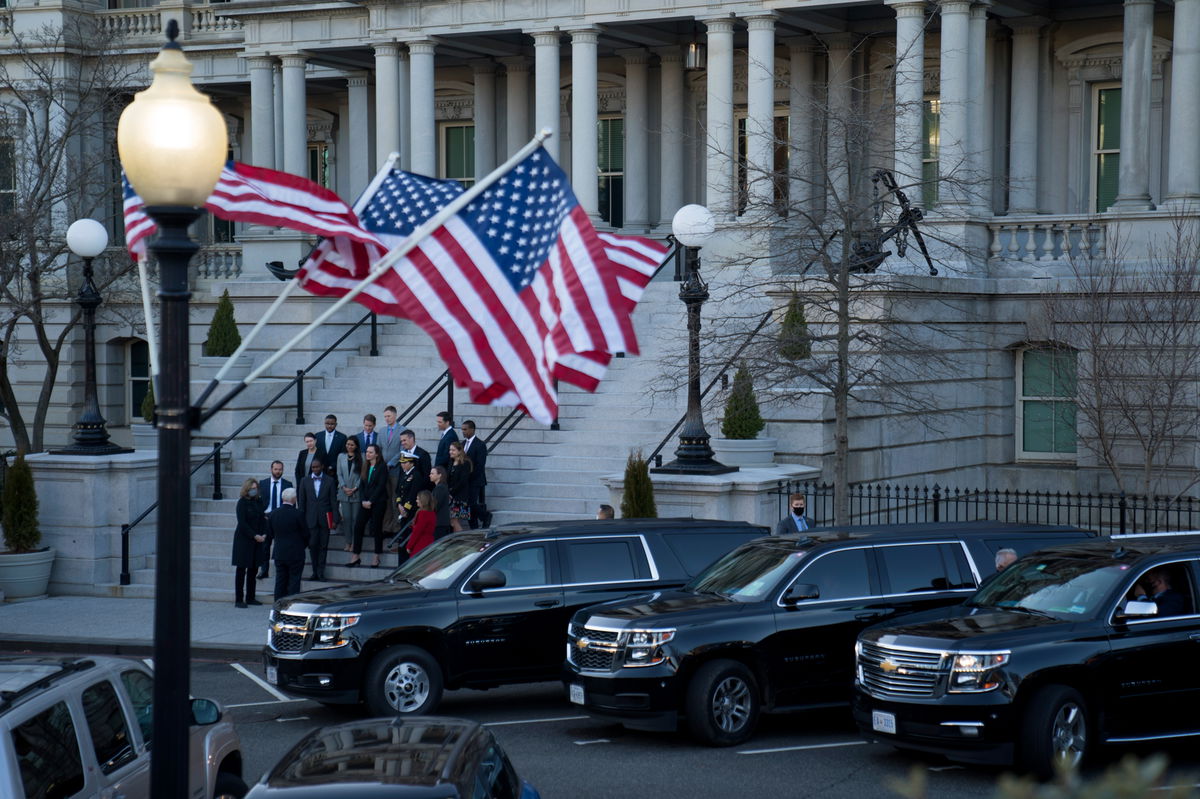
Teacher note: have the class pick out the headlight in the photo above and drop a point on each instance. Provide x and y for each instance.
(328, 629)
(975, 672)
(643, 647)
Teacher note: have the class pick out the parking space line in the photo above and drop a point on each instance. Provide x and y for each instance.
(268, 702)
(798, 748)
(266, 686)
(532, 721)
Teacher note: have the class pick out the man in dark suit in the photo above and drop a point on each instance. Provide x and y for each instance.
(368, 436)
(271, 493)
(330, 444)
(477, 451)
(796, 521)
(286, 526)
(446, 437)
(408, 442)
(319, 506)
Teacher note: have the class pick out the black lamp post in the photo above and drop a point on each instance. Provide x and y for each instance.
(172, 142)
(87, 238)
(693, 226)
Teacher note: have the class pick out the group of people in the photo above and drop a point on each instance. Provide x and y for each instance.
(376, 482)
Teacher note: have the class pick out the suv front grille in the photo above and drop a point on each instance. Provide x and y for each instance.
(288, 632)
(891, 671)
(594, 650)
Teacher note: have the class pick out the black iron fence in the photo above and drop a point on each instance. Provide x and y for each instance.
(881, 503)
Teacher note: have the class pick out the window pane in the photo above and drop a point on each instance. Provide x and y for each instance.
(929, 183)
(8, 171)
(839, 574)
(931, 129)
(612, 200)
(1108, 168)
(599, 561)
(612, 145)
(697, 550)
(1047, 373)
(957, 568)
(106, 723)
(914, 568)
(1038, 433)
(460, 152)
(47, 753)
(1064, 426)
(1108, 119)
(140, 688)
(522, 567)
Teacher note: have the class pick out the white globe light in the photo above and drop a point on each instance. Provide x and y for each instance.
(693, 225)
(87, 238)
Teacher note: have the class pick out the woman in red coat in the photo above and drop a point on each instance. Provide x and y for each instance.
(423, 524)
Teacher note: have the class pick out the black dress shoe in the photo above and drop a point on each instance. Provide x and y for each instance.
(352, 564)
(313, 577)
(253, 602)
(263, 575)
(239, 604)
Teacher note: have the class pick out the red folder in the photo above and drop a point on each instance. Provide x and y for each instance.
(329, 520)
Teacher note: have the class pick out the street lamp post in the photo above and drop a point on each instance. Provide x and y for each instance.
(693, 226)
(172, 142)
(87, 238)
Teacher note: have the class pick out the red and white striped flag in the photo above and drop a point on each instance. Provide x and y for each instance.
(138, 226)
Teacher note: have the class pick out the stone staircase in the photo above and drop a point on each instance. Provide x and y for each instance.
(535, 474)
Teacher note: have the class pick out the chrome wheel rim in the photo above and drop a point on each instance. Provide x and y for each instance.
(731, 704)
(1069, 734)
(406, 687)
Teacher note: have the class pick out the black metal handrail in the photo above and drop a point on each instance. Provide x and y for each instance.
(425, 397)
(215, 455)
(654, 456)
(506, 426)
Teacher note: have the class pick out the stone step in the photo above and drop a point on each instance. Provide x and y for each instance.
(144, 589)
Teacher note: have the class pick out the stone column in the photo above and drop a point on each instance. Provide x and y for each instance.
(516, 90)
(637, 139)
(387, 102)
(358, 98)
(403, 100)
(1023, 118)
(978, 149)
(585, 158)
(719, 195)
(910, 91)
(954, 146)
(760, 115)
(1183, 159)
(840, 97)
(670, 161)
(262, 111)
(801, 108)
(546, 88)
(421, 116)
(295, 116)
(1134, 190)
(277, 75)
(484, 70)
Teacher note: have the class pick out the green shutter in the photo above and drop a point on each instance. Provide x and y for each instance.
(1108, 175)
(1108, 119)
(460, 152)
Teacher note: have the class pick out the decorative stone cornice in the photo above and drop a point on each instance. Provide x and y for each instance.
(718, 24)
(454, 108)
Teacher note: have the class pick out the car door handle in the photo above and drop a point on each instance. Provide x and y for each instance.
(548, 603)
(1195, 636)
(868, 616)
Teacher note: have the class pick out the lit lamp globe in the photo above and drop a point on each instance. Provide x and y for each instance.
(87, 238)
(693, 225)
(171, 138)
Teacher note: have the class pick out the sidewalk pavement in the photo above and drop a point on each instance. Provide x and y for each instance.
(125, 626)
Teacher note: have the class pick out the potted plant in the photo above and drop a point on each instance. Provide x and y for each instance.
(740, 445)
(223, 340)
(144, 435)
(795, 344)
(638, 499)
(24, 565)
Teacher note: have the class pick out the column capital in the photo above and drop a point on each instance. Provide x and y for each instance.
(841, 41)
(357, 79)
(586, 35)
(980, 8)
(762, 22)
(958, 6)
(482, 66)
(1026, 26)
(259, 62)
(718, 24)
(293, 60)
(386, 48)
(907, 8)
(546, 38)
(635, 55)
(515, 63)
(801, 44)
(422, 47)
(670, 53)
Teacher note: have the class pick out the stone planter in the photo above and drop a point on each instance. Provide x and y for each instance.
(207, 368)
(145, 436)
(742, 452)
(25, 576)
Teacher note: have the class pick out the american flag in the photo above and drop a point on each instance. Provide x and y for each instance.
(256, 195)
(517, 290)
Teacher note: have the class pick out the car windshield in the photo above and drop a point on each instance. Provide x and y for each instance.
(1063, 587)
(440, 564)
(748, 573)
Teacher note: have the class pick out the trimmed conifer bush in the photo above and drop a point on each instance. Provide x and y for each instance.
(794, 341)
(223, 336)
(20, 514)
(638, 501)
(742, 419)
(148, 404)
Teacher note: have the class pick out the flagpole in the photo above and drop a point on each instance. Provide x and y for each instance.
(148, 313)
(385, 263)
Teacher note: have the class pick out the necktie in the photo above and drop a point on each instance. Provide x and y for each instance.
(274, 494)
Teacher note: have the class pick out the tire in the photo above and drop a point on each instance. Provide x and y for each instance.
(722, 703)
(229, 786)
(403, 680)
(1056, 728)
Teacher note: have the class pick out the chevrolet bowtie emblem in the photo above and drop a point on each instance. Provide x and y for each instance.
(889, 666)
(583, 643)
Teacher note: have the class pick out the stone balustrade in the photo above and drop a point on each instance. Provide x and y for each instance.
(130, 22)
(206, 20)
(1045, 238)
(217, 261)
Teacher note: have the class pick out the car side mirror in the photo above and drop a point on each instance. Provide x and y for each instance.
(488, 578)
(205, 711)
(1135, 608)
(801, 591)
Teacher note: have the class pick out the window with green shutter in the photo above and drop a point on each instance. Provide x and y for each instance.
(611, 140)
(1046, 406)
(931, 128)
(458, 153)
(8, 176)
(1106, 146)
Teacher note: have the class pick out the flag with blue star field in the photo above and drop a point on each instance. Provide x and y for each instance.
(517, 290)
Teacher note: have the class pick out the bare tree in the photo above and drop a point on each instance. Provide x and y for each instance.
(1131, 331)
(60, 89)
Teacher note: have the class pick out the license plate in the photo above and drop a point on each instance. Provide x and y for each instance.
(577, 694)
(272, 675)
(883, 722)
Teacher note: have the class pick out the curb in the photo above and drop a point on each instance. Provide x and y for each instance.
(99, 646)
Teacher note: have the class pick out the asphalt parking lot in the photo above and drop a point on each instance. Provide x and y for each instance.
(569, 756)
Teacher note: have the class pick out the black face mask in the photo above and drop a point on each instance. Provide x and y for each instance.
(798, 511)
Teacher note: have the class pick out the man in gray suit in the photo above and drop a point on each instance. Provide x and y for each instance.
(795, 521)
(389, 438)
(319, 506)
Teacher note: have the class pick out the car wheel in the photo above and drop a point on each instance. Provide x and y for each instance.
(1055, 731)
(722, 703)
(403, 680)
(229, 786)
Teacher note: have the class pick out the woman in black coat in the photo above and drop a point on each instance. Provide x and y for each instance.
(441, 502)
(250, 532)
(374, 492)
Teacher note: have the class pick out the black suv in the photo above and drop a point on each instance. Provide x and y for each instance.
(1051, 658)
(772, 624)
(477, 609)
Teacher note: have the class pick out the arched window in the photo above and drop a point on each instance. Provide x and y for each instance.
(1045, 395)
